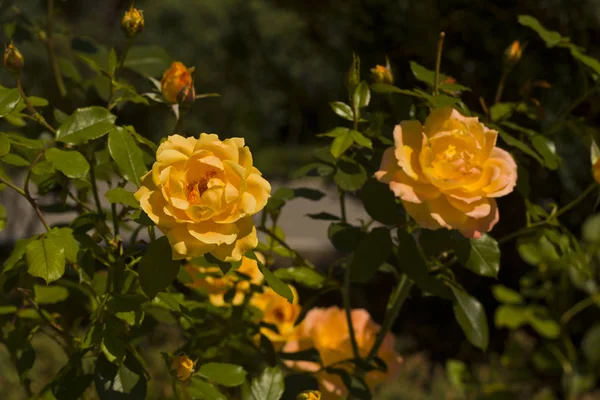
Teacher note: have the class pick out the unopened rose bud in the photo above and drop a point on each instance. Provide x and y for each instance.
(13, 59)
(182, 366)
(382, 74)
(513, 53)
(177, 84)
(309, 395)
(132, 22)
(353, 75)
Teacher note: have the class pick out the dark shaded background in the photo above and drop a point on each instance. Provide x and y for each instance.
(278, 63)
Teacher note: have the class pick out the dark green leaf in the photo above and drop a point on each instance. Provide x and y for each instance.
(126, 381)
(69, 383)
(202, 390)
(345, 237)
(126, 153)
(324, 216)
(342, 109)
(223, 374)
(85, 124)
(148, 60)
(157, 269)
(122, 196)
(372, 251)
(4, 145)
(379, 202)
(361, 140)
(71, 163)
(341, 143)
(2, 217)
(423, 74)
(303, 275)
(385, 88)
(350, 175)
(308, 193)
(268, 386)
(17, 254)
(511, 141)
(471, 317)
(590, 345)
(546, 148)
(481, 256)
(552, 38)
(280, 287)
(361, 96)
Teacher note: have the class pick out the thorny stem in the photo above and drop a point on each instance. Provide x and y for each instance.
(51, 56)
(438, 62)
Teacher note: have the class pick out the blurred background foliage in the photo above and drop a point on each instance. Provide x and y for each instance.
(277, 64)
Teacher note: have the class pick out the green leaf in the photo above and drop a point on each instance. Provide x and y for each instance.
(470, 315)
(224, 374)
(385, 88)
(122, 196)
(514, 142)
(114, 382)
(591, 229)
(379, 202)
(591, 62)
(17, 253)
(303, 275)
(49, 294)
(324, 216)
(147, 60)
(341, 143)
(16, 160)
(4, 145)
(112, 62)
(552, 38)
(71, 163)
(590, 345)
(373, 251)
(64, 238)
(9, 98)
(157, 269)
(546, 148)
(280, 287)
(500, 111)
(411, 262)
(350, 175)
(2, 217)
(127, 154)
(202, 390)
(85, 124)
(540, 320)
(45, 258)
(361, 140)
(344, 237)
(506, 295)
(361, 96)
(511, 316)
(268, 386)
(423, 74)
(481, 256)
(342, 109)
(70, 383)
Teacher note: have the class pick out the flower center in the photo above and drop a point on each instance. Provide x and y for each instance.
(197, 188)
(279, 315)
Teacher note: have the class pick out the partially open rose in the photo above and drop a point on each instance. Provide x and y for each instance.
(449, 172)
(202, 193)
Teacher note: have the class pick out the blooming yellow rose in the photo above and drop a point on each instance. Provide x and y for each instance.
(449, 172)
(212, 281)
(309, 395)
(326, 329)
(182, 366)
(279, 312)
(202, 193)
(177, 84)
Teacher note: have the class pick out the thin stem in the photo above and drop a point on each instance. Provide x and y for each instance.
(572, 204)
(79, 202)
(397, 300)
(501, 86)
(115, 219)
(34, 113)
(581, 99)
(348, 309)
(94, 185)
(284, 244)
(51, 56)
(13, 186)
(124, 55)
(438, 62)
(343, 204)
(579, 307)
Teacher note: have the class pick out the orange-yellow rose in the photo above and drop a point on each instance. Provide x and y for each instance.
(202, 193)
(182, 366)
(177, 84)
(278, 312)
(326, 329)
(212, 281)
(448, 172)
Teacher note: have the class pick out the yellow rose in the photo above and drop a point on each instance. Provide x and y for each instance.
(382, 74)
(202, 193)
(183, 367)
(309, 395)
(449, 172)
(326, 329)
(132, 22)
(279, 312)
(212, 281)
(177, 84)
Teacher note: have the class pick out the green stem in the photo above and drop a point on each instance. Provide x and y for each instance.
(95, 185)
(501, 84)
(342, 195)
(438, 62)
(34, 113)
(51, 56)
(348, 309)
(115, 219)
(581, 99)
(284, 244)
(394, 306)
(579, 307)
